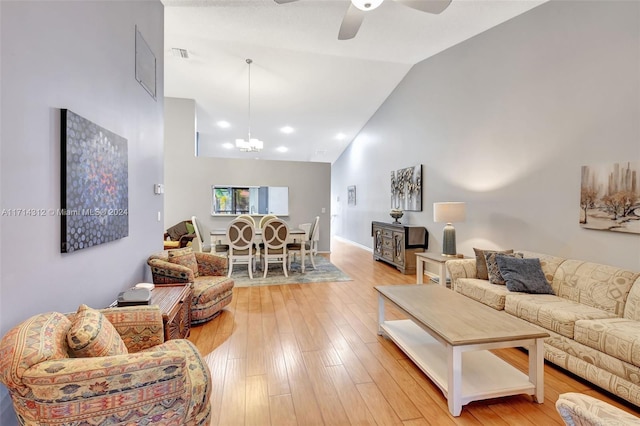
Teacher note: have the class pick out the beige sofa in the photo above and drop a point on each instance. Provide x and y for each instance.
(593, 317)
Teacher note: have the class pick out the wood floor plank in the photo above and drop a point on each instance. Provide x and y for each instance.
(350, 397)
(282, 411)
(257, 401)
(378, 405)
(332, 410)
(233, 406)
(304, 400)
(309, 354)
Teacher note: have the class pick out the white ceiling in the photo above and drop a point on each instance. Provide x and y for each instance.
(302, 76)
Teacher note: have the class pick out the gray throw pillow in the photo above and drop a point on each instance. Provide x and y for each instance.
(523, 275)
(495, 277)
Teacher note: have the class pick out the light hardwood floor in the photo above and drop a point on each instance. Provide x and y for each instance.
(309, 354)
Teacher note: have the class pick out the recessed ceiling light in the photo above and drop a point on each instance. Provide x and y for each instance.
(287, 129)
(282, 149)
(223, 124)
(228, 145)
(340, 136)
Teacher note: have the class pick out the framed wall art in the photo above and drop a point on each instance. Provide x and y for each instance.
(406, 189)
(145, 65)
(610, 198)
(94, 184)
(351, 195)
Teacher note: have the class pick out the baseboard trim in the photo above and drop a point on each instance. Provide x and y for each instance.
(353, 243)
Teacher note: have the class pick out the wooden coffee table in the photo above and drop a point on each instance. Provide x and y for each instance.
(448, 336)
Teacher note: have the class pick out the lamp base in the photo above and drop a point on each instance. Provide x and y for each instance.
(449, 241)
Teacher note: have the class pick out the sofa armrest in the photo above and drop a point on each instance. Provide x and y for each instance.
(83, 388)
(140, 327)
(164, 272)
(461, 268)
(211, 264)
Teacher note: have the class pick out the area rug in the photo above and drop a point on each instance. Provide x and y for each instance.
(325, 272)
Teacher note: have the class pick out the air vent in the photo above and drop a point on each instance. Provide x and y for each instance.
(180, 53)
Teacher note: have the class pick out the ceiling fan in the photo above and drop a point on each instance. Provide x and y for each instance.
(357, 9)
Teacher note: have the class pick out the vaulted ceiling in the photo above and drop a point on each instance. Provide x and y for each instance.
(302, 76)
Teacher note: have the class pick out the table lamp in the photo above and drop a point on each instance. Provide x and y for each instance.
(449, 212)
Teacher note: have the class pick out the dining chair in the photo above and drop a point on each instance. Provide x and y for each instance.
(247, 217)
(308, 246)
(240, 236)
(275, 235)
(265, 219)
(199, 244)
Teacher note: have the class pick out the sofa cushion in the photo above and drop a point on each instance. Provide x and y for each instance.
(481, 262)
(523, 275)
(185, 257)
(92, 335)
(618, 337)
(495, 277)
(551, 312)
(600, 286)
(483, 291)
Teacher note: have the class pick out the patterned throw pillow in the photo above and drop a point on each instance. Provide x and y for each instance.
(92, 335)
(481, 262)
(185, 257)
(523, 275)
(495, 277)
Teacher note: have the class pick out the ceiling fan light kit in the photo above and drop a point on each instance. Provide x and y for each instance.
(366, 4)
(355, 13)
(250, 144)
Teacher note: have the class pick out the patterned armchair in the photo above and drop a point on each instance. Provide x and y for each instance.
(583, 410)
(211, 289)
(97, 367)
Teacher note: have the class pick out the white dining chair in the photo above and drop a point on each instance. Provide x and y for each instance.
(275, 234)
(308, 246)
(240, 236)
(247, 217)
(200, 244)
(265, 219)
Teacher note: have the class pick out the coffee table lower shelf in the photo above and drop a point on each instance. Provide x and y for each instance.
(483, 376)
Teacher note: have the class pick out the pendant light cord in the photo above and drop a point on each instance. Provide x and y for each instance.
(249, 61)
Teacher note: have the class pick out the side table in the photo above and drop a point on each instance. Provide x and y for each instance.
(434, 259)
(174, 301)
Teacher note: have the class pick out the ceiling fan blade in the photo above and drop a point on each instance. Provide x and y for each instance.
(429, 6)
(351, 23)
(284, 1)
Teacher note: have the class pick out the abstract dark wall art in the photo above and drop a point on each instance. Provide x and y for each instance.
(94, 184)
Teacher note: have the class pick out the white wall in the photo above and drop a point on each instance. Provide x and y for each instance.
(188, 179)
(80, 56)
(504, 121)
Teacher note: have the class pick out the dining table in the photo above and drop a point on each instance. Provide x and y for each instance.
(296, 235)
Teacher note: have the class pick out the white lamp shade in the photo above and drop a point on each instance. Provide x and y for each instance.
(449, 212)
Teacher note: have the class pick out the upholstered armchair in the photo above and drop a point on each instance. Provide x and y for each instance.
(98, 367)
(577, 409)
(211, 289)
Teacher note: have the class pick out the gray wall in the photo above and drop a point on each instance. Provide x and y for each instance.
(188, 179)
(504, 121)
(76, 55)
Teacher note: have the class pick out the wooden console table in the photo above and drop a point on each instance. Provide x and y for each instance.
(398, 244)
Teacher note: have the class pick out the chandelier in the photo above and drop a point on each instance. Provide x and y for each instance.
(249, 144)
